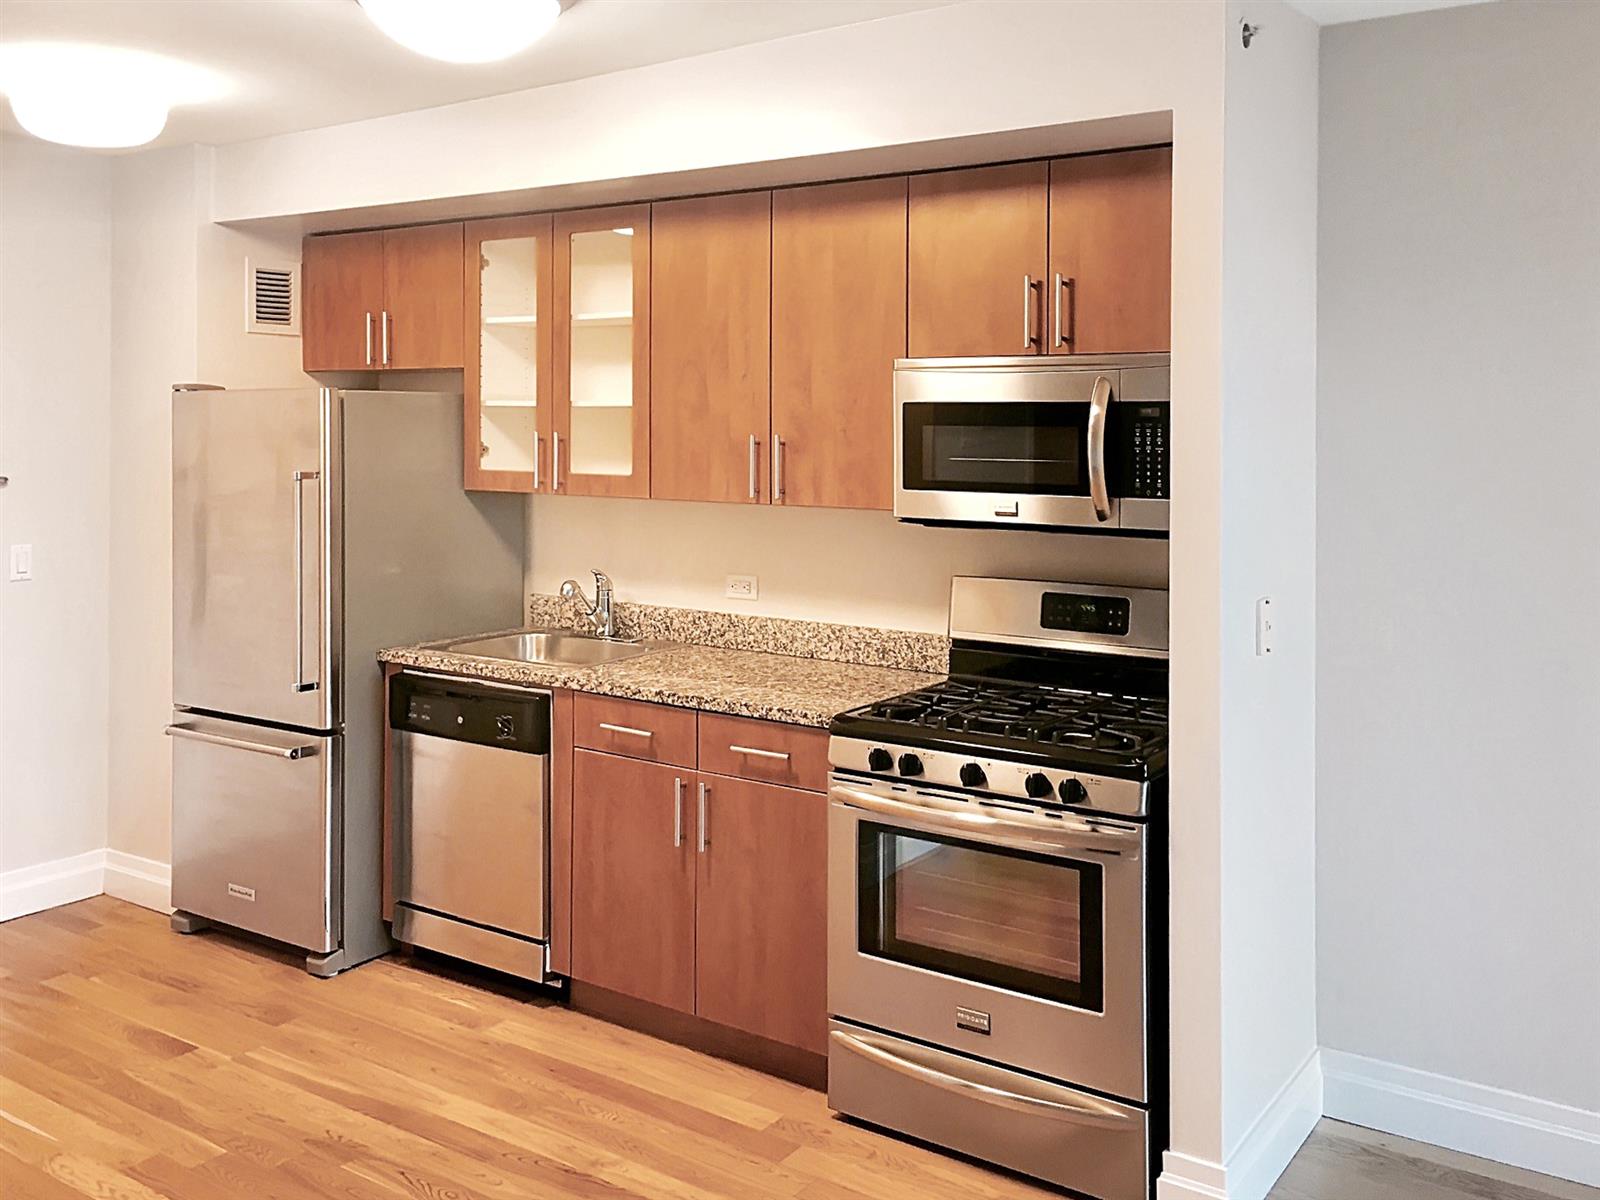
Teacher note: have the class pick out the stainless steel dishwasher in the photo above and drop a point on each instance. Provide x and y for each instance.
(472, 809)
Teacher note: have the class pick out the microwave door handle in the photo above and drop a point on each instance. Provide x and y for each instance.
(1099, 410)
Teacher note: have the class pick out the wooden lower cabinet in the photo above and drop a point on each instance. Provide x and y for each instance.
(731, 930)
(633, 889)
(761, 912)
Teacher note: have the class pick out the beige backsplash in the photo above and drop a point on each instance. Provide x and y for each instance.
(901, 648)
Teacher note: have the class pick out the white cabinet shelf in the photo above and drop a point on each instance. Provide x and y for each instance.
(603, 320)
(526, 319)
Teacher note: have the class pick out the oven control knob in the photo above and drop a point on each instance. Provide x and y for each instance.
(1073, 792)
(910, 764)
(972, 775)
(879, 759)
(1038, 786)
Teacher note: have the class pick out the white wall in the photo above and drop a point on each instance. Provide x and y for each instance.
(1271, 1086)
(1458, 833)
(859, 568)
(55, 318)
(178, 299)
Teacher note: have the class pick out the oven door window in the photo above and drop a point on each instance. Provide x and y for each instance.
(1025, 922)
(1022, 447)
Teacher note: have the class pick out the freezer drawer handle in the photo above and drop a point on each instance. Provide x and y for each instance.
(300, 684)
(1082, 1111)
(217, 739)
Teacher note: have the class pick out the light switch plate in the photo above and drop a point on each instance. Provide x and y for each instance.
(741, 587)
(21, 562)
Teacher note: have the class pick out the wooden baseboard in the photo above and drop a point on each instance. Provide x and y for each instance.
(787, 1062)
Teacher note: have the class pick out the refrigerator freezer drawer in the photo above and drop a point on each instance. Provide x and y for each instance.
(255, 828)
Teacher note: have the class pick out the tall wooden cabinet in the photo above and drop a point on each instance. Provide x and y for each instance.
(710, 348)
(600, 442)
(387, 300)
(838, 324)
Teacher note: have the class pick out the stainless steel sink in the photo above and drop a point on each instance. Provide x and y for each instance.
(552, 647)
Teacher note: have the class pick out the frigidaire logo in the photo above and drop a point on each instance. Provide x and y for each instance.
(241, 893)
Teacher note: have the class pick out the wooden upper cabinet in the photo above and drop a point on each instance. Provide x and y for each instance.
(600, 442)
(343, 301)
(1111, 252)
(633, 878)
(507, 331)
(710, 348)
(390, 299)
(422, 297)
(838, 324)
(761, 912)
(977, 243)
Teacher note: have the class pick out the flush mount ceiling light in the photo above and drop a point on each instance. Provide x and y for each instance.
(103, 97)
(464, 31)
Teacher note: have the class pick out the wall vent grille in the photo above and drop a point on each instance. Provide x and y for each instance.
(272, 297)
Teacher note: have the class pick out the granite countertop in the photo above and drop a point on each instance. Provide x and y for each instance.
(743, 683)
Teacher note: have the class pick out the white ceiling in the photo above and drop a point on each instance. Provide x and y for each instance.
(1337, 12)
(301, 64)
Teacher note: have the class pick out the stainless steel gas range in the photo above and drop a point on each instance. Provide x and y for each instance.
(997, 890)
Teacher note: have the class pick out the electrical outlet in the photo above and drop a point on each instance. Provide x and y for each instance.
(741, 587)
(1264, 626)
(21, 562)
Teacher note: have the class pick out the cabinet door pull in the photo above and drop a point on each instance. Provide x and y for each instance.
(777, 469)
(755, 752)
(1030, 338)
(536, 460)
(627, 729)
(1066, 293)
(369, 339)
(705, 837)
(677, 813)
(755, 465)
(385, 337)
(555, 462)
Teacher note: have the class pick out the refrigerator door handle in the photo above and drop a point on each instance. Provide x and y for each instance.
(300, 682)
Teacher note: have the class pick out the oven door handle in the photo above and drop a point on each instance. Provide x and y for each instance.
(1054, 836)
(1099, 411)
(1081, 1110)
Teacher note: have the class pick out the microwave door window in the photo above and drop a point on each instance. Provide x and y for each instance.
(1028, 449)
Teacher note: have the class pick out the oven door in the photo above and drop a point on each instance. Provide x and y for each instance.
(1008, 934)
(1003, 447)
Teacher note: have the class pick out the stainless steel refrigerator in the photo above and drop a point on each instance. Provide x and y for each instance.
(310, 528)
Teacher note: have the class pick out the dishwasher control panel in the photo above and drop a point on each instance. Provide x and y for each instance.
(462, 711)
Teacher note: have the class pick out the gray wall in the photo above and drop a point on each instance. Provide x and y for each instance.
(1458, 483)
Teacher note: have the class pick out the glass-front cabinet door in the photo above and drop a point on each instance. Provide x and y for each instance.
(600, 439)
(507, 384)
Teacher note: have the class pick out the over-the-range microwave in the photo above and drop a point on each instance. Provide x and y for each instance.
(1068, 442)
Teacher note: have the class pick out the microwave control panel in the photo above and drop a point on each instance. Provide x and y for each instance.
(1147, 468)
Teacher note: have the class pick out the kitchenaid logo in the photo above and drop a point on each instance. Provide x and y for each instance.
(241, 893)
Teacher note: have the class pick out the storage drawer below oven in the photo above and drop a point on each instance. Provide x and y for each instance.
(1070, 1138)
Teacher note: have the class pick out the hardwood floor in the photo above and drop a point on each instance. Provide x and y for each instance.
(138, 1065)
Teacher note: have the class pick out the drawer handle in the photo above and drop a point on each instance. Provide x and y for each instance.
(233, 743)
(780, 755)
(627, 729)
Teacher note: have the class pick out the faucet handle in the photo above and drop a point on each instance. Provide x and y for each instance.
(601, 579)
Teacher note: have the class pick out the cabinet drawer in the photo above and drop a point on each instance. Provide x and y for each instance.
(766, 751)
(655, 732)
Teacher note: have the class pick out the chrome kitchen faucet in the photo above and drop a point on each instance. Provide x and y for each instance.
(599, 613)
